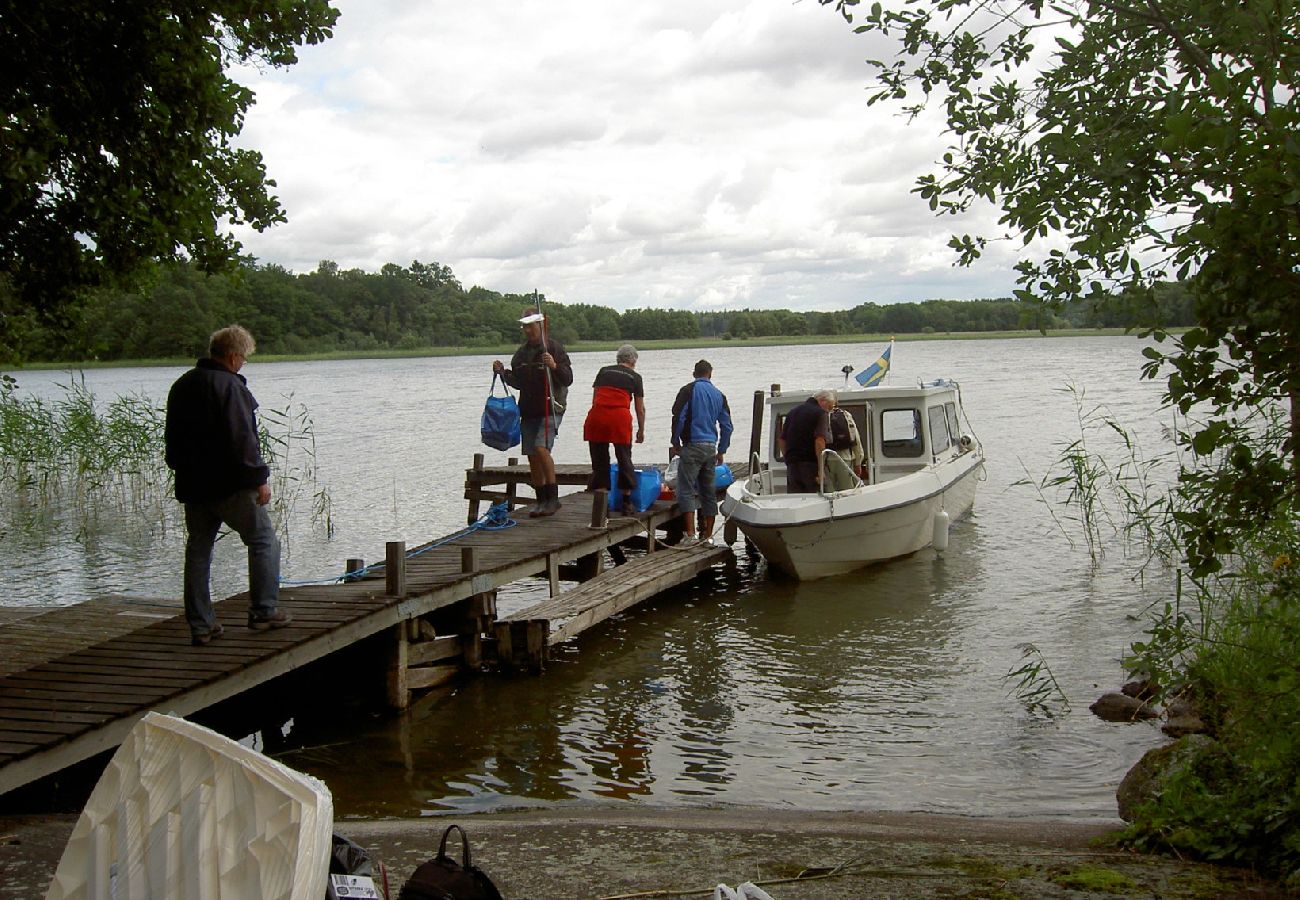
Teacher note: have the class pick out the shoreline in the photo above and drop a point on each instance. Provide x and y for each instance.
(702, 343)
(585, 852)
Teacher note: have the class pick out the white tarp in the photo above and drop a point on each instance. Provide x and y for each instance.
(183, 812)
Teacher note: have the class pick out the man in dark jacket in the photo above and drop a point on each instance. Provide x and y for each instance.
(213, 448)
(804, 436)
(541, 372)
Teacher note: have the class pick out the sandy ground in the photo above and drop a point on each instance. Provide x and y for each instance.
(603, 853)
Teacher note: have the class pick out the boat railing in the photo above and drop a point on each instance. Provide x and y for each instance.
(760, 479)
(836, 474)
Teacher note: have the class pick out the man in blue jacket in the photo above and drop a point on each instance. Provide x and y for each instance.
(213, 447)
(701, 435)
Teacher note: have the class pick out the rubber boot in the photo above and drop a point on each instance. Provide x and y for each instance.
(551, 504)
(536, 509)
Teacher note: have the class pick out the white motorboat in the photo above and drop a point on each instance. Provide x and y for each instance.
(919, 474)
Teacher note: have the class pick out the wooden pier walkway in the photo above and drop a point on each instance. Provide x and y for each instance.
(74, 680)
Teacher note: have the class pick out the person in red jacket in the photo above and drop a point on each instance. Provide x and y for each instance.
(609, 421)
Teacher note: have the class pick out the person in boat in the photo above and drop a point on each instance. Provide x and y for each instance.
(804, 436)
(847, 443)
(609, 421)
(211, 443)
(541, 372)
(701, 435)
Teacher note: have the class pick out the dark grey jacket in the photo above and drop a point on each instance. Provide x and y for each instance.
(211, 434)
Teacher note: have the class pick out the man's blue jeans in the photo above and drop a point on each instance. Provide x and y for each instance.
(252, 523)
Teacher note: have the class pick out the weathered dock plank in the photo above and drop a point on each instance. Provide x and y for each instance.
(617, 590)
(30, 635)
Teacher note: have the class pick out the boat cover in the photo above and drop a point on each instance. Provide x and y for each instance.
(183, 812)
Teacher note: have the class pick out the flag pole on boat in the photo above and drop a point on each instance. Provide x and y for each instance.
(876, 372)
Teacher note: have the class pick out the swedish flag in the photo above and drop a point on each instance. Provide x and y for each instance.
(875, 373)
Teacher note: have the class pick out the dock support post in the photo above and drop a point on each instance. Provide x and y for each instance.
(352, 568)
(522, 644)
(480, 606)
(399, 694)
(512, 486)
(475, 489)
(395, 568)
(553, 573)
(729, 532)
(599, 508)
(538, 632)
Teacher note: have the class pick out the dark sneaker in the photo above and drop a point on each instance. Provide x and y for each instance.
(277, 619)
(202, 639)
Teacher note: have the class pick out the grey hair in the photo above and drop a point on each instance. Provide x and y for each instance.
(825, 394)
(626, 354)
(233, 340)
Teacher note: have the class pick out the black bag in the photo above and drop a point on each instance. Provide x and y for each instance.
(500, 424)
(442, 878)
(841, 439)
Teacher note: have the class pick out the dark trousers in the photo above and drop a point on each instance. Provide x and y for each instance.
(800, 477)
(600, 467)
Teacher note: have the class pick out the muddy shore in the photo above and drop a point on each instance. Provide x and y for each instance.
(598, 852)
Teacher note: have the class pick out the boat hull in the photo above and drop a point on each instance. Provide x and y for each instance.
(812, 536)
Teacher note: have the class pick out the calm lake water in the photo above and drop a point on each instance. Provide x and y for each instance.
(883, 690)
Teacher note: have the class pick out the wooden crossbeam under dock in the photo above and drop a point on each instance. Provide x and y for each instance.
(76, 679)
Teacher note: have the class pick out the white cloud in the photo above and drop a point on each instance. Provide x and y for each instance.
(702, 154)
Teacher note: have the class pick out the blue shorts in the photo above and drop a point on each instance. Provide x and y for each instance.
(534, 436)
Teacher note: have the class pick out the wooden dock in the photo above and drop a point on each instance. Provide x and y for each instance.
(74, 680)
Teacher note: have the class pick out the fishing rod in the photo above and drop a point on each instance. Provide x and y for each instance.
(550, 389)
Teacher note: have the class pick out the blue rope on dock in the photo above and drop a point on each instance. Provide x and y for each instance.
(497, 518)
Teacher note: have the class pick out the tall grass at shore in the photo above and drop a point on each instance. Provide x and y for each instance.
(1226, 643)
(71, 459)
(66, 453)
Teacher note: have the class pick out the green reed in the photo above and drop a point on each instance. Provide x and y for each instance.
(82, 458)
(288, 437)
(1106, 485)
(66, 451)
(1035, 683)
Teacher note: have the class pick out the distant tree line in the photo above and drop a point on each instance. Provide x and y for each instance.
(424, 305)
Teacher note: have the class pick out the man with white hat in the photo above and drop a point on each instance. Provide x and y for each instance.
(541, 372)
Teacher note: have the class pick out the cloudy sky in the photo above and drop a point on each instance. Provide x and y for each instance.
(700, 154)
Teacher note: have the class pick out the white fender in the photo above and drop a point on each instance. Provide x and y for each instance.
(941, 520)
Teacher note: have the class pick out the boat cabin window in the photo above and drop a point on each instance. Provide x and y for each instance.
(900, 433)
(954, 427)
(938, 429)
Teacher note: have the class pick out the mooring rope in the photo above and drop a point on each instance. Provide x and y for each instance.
(497, 518)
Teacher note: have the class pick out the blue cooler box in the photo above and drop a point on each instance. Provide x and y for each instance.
(648, 485)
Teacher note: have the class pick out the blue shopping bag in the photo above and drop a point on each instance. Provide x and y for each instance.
(500, 423)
